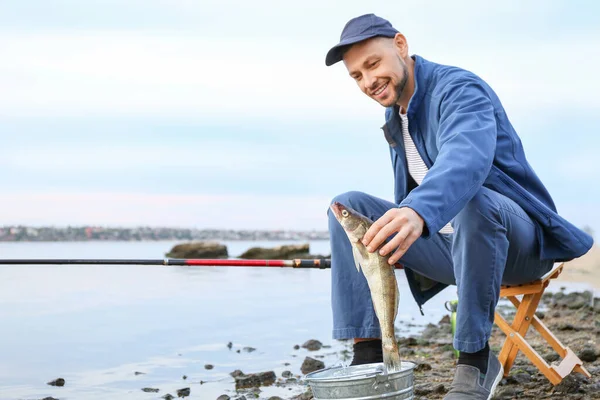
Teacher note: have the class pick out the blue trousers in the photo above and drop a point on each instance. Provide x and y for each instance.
(494, 243)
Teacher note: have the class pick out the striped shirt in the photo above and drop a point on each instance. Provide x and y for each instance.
(416, 167)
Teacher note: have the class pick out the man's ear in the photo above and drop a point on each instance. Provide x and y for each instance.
(401, 45)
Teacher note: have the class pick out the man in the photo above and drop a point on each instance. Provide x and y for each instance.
(469, 209)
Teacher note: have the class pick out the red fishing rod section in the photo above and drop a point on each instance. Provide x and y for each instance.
(296, 263)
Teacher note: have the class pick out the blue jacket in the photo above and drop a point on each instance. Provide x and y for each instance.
(466, 140)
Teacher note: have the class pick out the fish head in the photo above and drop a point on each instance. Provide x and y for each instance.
(354, 223)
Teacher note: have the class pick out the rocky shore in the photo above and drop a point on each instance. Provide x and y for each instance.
(573, 317)
(575, 320)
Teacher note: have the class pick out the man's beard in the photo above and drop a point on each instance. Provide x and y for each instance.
(399, 88)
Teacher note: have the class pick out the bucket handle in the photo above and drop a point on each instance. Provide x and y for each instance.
(381, 377)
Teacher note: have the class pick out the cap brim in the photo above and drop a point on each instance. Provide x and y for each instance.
(336, 53)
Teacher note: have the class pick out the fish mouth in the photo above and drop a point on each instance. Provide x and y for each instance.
(337, 210)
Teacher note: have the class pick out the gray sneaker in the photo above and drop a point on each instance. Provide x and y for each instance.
(467, 384)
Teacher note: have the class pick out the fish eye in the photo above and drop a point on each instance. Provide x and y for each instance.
(345, 213)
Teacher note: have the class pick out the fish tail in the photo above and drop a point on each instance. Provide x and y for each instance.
(391, 356)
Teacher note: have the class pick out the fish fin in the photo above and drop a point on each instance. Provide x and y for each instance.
(391, 356)
(392, 362)
(357, 257)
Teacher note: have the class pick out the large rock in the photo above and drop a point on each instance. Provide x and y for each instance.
(573, 300)
(588, 354)
(255, 380)
(304, 396)
(311, 365)
(279, 252)
(312, 345)
(198, 250)
(57, 382)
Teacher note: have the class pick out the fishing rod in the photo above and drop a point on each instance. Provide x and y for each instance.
(320, 263)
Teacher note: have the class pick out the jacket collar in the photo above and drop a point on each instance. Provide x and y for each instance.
(421, 75)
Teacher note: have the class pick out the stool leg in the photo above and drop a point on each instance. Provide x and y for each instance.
(518, 341)
(545, 332)
(521, 323)
(554, 373)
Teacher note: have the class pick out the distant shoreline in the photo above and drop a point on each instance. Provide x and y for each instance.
(94, 233)
(158, 240)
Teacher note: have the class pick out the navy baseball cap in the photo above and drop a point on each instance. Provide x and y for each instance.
(356, 30)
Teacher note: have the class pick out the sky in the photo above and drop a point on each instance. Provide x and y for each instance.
(222, 114)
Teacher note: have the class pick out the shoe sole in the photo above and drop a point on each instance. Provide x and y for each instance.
(496, 382)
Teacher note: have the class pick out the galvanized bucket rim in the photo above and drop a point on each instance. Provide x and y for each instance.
(410, 366)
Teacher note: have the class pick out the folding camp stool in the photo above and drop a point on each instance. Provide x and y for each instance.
(525, 316)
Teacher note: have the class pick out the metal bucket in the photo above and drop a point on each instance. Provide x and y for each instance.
(362, 382)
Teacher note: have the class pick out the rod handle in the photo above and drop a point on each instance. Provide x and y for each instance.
(321, 263)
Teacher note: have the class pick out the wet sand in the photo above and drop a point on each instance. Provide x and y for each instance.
(585, 269)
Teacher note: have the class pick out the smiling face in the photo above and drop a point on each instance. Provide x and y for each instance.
(382, 69)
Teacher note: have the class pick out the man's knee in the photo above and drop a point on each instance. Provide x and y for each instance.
(481, 210)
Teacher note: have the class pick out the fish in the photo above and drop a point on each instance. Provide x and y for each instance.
(380, 277)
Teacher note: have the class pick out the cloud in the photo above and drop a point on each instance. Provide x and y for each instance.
(117, 157)
(269, 18)
(582, 168)
(135, 209)
(258, 69)
(123, 73)
(289, 159)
